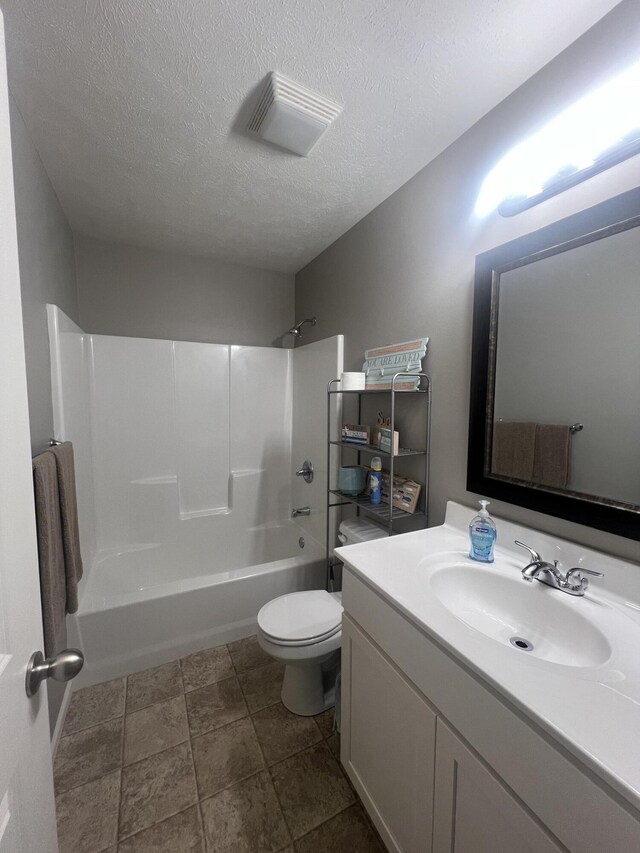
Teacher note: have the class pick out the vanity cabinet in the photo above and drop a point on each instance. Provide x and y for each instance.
(474, 811)
(444, 764)
(416, 778)
(391, 734)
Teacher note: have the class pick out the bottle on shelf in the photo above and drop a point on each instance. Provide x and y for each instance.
(375, 480)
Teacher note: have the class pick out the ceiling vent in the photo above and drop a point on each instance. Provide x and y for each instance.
(290, 116)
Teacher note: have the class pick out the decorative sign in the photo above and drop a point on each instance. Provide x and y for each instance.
(382, 363)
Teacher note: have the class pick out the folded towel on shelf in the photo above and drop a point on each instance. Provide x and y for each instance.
(53, 585)
(552, 455)
(513, 449)
(63, 454)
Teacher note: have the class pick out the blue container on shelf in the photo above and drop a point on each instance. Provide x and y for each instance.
(351, 480)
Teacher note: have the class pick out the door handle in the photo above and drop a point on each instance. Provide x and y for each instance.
(61, 667)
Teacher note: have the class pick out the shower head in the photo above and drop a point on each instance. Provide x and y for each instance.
(295, 330)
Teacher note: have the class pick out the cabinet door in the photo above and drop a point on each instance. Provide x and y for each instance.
(474, 811)
(388, 743)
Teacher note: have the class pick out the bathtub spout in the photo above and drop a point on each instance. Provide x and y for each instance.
(303, 510)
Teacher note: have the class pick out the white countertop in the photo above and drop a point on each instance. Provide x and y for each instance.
(592, 709)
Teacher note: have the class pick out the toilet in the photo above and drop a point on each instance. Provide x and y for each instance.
(303, 630)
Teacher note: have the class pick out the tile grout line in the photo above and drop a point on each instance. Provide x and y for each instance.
(197, 787)
(276, 764)
(58, 793)
(210, 684)
(90, 726)
(300, 751)
(332, 817)
(153, 825)
(263, 769)
(166, 817)
(124, 722)
(268, 770)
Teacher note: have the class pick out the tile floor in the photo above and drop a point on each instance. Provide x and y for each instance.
(200, 756)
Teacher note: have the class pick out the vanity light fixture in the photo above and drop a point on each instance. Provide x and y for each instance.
(596, 132)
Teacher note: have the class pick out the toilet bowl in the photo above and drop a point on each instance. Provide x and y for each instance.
(303, 630)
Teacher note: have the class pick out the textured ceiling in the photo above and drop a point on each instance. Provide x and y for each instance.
(135, 107)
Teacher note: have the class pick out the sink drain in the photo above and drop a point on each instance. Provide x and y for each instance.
(522, 644)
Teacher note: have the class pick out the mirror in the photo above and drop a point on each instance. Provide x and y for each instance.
(555, 384)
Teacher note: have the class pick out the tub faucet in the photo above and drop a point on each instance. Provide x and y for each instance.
(538, 569)
(302, 510)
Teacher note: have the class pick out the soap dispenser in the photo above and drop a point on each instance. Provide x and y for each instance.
(482, 535)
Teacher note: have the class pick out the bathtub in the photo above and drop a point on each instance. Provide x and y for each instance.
(151, 604)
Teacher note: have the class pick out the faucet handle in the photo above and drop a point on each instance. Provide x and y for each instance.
(535, 557)
(574, 579)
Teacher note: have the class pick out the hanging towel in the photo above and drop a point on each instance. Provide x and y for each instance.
(53, 586)
(513, 449)
(63, 454)
(551, 457)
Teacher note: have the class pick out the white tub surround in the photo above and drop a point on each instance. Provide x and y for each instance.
(553, 730)
(185, 473)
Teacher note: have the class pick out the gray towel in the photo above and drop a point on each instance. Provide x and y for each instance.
(551, 457)
(63, 454)
(53, 587)
(513, 449)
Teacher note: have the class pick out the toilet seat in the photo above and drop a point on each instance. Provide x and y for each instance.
(301, 618)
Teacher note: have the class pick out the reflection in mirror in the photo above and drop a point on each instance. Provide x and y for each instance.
(555, 377)
(567, 353)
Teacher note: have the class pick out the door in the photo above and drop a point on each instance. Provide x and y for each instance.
(474, 811)
(27, 815)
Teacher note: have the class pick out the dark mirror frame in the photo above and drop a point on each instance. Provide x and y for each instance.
(609, 217)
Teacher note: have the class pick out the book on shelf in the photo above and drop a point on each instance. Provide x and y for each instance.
(356, 433)
(382, 439)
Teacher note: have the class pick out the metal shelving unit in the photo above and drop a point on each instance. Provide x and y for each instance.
(382, 512)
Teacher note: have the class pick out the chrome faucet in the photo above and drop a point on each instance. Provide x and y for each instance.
(573, 583)
(302, 510)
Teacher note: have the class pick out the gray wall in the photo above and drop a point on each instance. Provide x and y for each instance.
(47, 271)
(407, 269)
(47, 274)
(126, 290)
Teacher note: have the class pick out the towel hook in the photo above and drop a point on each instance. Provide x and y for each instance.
(54, 442)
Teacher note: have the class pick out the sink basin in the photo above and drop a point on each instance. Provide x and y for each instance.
(534, 619)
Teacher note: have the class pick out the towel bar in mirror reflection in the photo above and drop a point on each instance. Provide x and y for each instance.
(577, 427)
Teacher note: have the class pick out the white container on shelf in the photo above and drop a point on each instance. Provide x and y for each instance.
(354, 530)
(353, 382)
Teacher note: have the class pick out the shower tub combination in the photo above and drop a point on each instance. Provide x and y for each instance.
(145, 607)
(185, 475)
